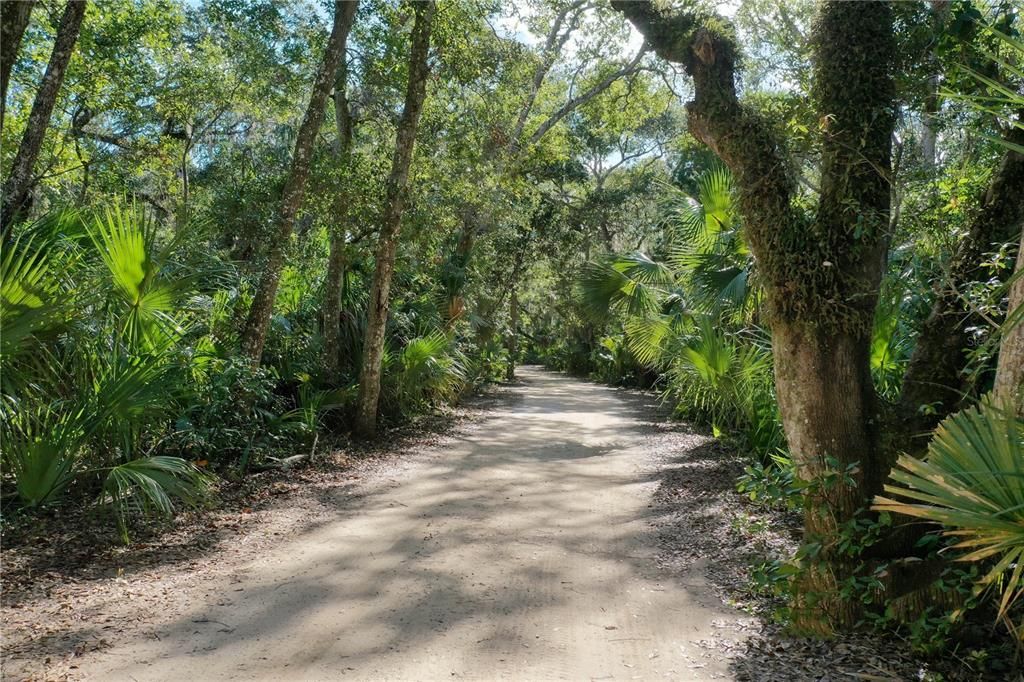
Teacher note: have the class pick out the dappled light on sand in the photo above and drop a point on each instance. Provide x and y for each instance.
(521, 551)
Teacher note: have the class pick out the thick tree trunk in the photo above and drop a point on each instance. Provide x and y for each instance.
(336, 260)
(934, 374)
(14, 18)
(821, 276)
(822, 360)
(254, 335)
(1009, 386)
(19, 184)
(387, 245)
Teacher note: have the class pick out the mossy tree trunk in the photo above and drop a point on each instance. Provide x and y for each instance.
(394, 204)
(821, 272)
(254, 334)
(18, 187)
(336, 260)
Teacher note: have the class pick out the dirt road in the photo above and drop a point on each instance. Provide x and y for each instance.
(521, 551)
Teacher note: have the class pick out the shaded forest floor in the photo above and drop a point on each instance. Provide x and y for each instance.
(538, 530)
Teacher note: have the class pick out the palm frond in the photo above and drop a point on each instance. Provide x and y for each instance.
(149, 302)
(29, 298)
(150, 486)
(41, 451)
(971, 482)
(633, 283)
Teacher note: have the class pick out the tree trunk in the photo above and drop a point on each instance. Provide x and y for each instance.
(1009, 386)
(455, 306)
(14, 18)
(387, 245)
(336, 262)
(934, 373)
(19, 184)
(254, 335)
(821, 276)
(336, 259)
(181, 220)
(513, 333)
(822, 359)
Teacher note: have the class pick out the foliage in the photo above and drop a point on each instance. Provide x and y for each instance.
(234, 417)
(972, 482)
(686, 317)
(774, 485)
(538, 177)
(428, 370)
(92, 362)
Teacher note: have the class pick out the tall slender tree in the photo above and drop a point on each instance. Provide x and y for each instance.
(394, 204)
(14, 18)
(336, 258)
(19, 183)
(254, 335)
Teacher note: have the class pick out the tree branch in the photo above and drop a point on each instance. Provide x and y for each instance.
(590, 94)
(703, 44)
(556, 40)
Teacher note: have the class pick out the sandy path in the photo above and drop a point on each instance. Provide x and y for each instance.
(521, 551)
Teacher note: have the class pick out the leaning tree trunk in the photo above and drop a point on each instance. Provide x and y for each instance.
(394, 203)
(934, 375)
(14, 18)
(19, 183)
(254, 335)
(1009, 386)
(336, 260)
(821, 275)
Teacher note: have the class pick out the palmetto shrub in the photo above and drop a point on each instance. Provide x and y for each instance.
(92, 363)
(725, 379)
(428, 370)
(690, 317)
(972, 483)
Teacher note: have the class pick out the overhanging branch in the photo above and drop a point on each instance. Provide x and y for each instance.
(590, 94)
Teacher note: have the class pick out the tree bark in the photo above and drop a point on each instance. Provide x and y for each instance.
(1009, 385)
(336, 259)
(823, 375)
(821, 276)
(14, 18)
(254, 335)
(387, 245)
(934, 375)
(19, 184)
